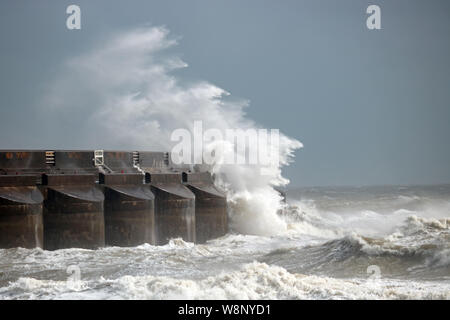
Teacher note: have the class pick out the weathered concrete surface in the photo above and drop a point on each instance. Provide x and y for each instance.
(211, 218)
(73, 162)
(174, 207)
(73, 212)
(22, 161)
(51, 198)
(20, 212)
(129, 210)
(153, 162)
(119, 161)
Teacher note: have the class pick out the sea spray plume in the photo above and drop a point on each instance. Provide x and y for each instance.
(139, 103)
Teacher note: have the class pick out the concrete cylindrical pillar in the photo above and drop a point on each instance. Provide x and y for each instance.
(73, 212)
(20, 212)
(174, 207)
(211, 219)
(129, 210)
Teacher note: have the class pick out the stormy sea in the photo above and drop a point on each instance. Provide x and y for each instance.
(321, 243)
(389, 242)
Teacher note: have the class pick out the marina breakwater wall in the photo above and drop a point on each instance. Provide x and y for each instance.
(91, 198)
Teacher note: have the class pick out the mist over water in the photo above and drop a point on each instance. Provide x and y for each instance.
(317, 246)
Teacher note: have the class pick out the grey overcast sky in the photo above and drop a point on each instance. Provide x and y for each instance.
(370, 106)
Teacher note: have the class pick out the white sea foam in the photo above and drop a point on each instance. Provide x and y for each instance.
(223, 268)
(252, 281)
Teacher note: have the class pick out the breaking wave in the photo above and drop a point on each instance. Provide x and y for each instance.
(253, 281)
(413, 263)
(401, 243)
(128, 90)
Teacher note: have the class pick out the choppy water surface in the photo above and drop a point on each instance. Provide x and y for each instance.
(334, 235)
